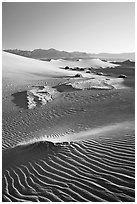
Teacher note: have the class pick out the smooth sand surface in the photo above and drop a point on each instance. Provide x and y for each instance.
(79, 147)
(19, 64)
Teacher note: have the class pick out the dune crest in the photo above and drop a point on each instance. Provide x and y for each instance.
(84, 135)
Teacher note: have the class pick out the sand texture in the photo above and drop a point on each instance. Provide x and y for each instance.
(77, 144)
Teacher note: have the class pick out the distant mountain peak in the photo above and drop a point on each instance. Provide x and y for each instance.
(56, 54)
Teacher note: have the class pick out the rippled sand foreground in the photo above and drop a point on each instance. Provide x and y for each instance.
(78, 147)
(91, 170)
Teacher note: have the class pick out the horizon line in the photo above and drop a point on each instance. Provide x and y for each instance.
(68, 51)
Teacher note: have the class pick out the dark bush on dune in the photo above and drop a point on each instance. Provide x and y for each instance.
(66, 67)
(87, 71)
(122, 76)
(76, 68)
(81, 69)
(78, 75)
(99, 73)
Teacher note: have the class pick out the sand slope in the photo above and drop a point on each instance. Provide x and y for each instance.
(97, 160)
(83, 63)
(22, 65)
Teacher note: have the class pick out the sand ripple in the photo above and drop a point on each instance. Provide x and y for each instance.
(95, 170)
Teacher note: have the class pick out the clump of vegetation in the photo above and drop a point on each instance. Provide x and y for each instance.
(66, 67)
(87, 71)
(99, 73)
(122, 76)
(78, 75)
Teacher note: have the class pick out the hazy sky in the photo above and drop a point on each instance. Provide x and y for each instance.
(91, 27)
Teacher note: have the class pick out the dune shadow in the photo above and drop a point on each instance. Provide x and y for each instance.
(28, 152)
(115, 72)
(65, 88)
(20, 99)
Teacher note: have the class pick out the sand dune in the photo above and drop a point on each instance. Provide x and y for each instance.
(18, 64)
(92, 170)
(14, 65)
(19, 69)
(95, 63)
(79, 147)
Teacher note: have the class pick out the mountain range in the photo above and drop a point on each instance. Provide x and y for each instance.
(49, 54)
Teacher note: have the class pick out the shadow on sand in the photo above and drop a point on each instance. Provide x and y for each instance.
(20, 99)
